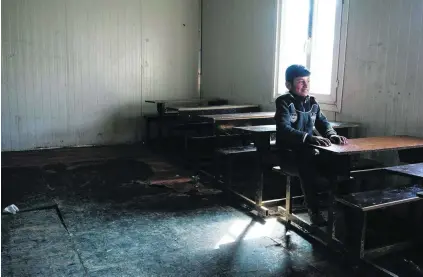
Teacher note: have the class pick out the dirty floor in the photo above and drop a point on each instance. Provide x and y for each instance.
(98, 212)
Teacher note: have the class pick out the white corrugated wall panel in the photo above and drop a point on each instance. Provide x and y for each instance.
(104, 72)
(239, 50)
(74, 71)
(33, 72)
(170, 48)
(383, 85)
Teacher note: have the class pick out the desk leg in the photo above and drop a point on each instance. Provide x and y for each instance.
(339, 172)
(358, 236)
(331, 210)
(160, 133)
(259, 187)
(262, 143)
(147, 130)
(288, 204)
(160, 110)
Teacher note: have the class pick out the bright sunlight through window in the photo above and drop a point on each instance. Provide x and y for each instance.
(309, 33)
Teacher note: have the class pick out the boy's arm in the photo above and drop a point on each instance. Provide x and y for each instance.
(283, 123)
(323, 126)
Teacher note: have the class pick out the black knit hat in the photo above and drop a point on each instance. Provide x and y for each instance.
(294, 71)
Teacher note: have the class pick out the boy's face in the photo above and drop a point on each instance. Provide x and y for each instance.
(300, 86)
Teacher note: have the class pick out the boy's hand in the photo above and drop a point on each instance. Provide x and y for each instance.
(320, 141)
(338, 139)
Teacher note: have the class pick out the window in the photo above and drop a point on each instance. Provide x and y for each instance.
(313, 33)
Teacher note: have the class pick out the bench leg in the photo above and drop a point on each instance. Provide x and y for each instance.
(216, 167)
(259, 188)
(185, 142)
(331, 210)
(357, 237)
(288, 204)
(229, 171)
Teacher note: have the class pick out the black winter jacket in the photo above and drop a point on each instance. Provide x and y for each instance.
(296, 117)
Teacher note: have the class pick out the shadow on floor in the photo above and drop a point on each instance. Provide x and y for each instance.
(116, 224)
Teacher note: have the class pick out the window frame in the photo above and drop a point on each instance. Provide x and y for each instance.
(333, 101)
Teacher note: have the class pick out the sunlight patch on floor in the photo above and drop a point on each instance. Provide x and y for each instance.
(256, 230)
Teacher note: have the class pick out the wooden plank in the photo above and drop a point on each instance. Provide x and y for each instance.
(340, 125)
(192, 100)
(272, 128)
(237, 116)
(373, 144)
(205, 108)
(410, 170)
(258, 128)
(371, 200)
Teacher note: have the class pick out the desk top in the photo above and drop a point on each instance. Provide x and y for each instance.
(410, 170)
(258, 128)
(191, 100)
(272, 128)
(340, 125)
(373, 144)
(238, 116)
(205, 108)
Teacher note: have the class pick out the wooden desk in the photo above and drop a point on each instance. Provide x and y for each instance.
(223, 122)
(338, 156)
(216, 118)
(261, 136)
(269, 129)
(218, 109)
(374, 144)
(162, 109)
(165, 114)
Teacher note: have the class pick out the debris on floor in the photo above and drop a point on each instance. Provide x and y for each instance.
(11, 209)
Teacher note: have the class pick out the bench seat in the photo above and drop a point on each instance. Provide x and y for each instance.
(377, 199)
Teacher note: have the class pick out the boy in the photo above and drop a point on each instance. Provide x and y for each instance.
(296, 115)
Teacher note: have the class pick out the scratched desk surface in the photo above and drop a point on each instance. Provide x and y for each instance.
(411, 170)
(373, 144)
(272, 128)
(200, 107)
(238, 116)
(183, 101)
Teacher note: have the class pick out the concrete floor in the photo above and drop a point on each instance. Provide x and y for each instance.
(89, 212)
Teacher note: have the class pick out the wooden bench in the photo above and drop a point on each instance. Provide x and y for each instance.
(160, 119)
(287, 211)
(195, 110)
(413, 171)
(289, 173)
(361, 203)
(229, 153)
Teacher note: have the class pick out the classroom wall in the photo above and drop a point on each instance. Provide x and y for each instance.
(238, 50)
(383, 85)
(76, 72)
